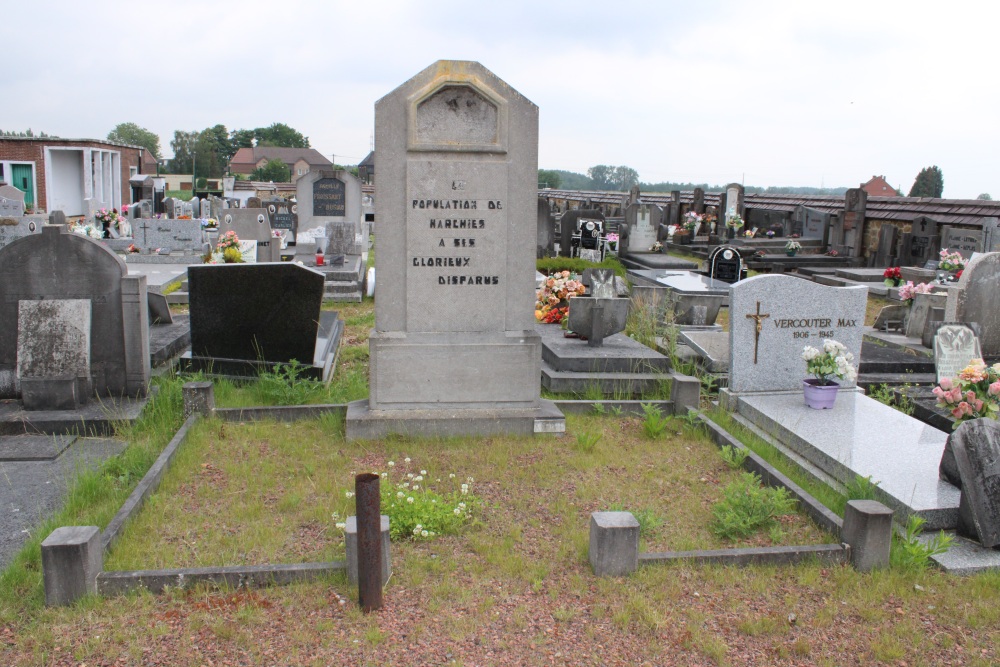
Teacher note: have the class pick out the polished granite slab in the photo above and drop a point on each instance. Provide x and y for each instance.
(863, 437)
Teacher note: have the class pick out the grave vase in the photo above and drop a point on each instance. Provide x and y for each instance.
(819, 396)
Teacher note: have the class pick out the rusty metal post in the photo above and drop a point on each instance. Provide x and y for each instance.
(369, 511)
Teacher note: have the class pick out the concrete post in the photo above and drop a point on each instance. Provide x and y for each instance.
(614, 543)
(868, 531)
(72, 557)
(351, 542)
(199, 397)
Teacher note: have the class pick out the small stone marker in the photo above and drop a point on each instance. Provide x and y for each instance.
(773, 317)
(868, 530)
(976, 447)
(351, 547)
(614, 544)
(72, 557)
(955, 345)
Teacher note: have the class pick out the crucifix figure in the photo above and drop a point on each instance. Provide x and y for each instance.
(759, 318)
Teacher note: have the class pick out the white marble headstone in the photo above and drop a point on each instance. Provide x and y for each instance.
(955, 345)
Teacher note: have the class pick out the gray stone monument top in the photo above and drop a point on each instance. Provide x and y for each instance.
(976, 447)
(11, 201)
(14, 228)
(773, 317)
(328, 196)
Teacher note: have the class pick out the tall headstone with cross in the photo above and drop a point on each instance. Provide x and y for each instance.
(773, 317)
(454, 348)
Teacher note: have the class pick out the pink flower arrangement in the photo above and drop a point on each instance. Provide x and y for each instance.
(908, 290)
(556, 289)
(951, 261)
(974, 394)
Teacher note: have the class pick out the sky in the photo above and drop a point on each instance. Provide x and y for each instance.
(803, 93)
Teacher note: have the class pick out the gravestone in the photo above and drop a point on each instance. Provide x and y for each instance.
(546, 230)
(925, 242)
(12, 229)
(254, 312)
(964, 241)
(216, 205)
(643, 222)
(725, 264)
(252, 224)
(330, 196)
(284, 215)
(568, 226)
(162, 235)
(975, 300)
(698, 202)
(253, 202)
(773, 317)
(59, 265)
(976, 448)
(11, 202)
(991, 234)
(340, 242)
(53, 353)
(732, 201)
(815, 223)
(920, 311)
(886, 244)
(955, 345)
(205, 209)
(454, 348)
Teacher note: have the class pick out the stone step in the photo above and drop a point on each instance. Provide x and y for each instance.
(620, 385)
(343, 297)
(340, 287)
(178, 297)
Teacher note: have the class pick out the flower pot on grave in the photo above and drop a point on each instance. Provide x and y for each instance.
(683, 238)
(791, 253)
(819, 396)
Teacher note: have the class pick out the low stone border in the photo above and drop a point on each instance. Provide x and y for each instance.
(825, 553)
(284, 413)
(156, 581)
(824, 517)
(146, 486)
(626, 407)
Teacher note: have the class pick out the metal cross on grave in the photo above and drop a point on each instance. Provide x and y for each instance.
(144, 226)
(759, 319)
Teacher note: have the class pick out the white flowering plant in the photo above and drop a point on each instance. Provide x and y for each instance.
(88, 230)
(421, 506)
(832, 361)
(793, 246)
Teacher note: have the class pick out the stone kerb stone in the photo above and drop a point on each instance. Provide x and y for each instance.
(614, 543)
(868, 530)
(975, 300)
(456, 275)
(351, 549)
(772, 318)
(72, 557)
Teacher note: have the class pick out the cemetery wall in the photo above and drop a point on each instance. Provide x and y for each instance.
(32, 149)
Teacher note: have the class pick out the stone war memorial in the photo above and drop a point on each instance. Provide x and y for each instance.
(454, 350)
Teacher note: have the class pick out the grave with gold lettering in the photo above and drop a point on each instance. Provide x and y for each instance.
(454, 349)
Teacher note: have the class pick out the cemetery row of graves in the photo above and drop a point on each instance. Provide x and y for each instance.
(633, 470)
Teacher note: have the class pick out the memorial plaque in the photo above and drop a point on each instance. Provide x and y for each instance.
(725, 264)
(964, 241)
(284, 215)
(329, 198)
(955, 345)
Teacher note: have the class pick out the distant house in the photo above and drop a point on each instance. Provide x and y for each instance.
(879, 187)
(300, 160)
(366, 169)
(59, 174)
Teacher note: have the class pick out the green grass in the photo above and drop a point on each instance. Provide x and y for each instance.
(549, 265)
(185, 195)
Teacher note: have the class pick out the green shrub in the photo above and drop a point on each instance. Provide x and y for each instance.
(734, 456)
(861, 488)
(910, 553)
(747, 507)
(286, 386)
(655, 423)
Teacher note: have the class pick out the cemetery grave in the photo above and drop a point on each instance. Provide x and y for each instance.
(246, 489)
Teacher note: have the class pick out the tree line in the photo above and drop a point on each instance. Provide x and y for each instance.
(208, 152)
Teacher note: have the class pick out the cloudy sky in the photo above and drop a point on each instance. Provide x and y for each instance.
(764, 92)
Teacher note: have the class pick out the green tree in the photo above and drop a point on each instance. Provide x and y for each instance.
(985, 197)
(183, 145)
(130, 133)
(279, 134)
(929, 183)
(549, 178)
(600, 176)
(213, 151)
(273, 170)
(623, 178)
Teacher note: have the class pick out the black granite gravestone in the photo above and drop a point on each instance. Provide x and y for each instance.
(250, 312)
(725, 264)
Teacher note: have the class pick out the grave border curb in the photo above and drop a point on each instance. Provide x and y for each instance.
(784, 555)
(122, 582)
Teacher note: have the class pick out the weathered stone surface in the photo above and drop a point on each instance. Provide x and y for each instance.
(955, 345)
(773, 317)
(13, 228)
(72, 558)
(976, 448)
(614, 543)
(60, 265)
(546, 237)
(976, 298)
(920, 310)
(255, 312)
(868, 530)
(53, 353)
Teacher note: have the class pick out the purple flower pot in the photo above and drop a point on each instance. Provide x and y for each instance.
(819, 396)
